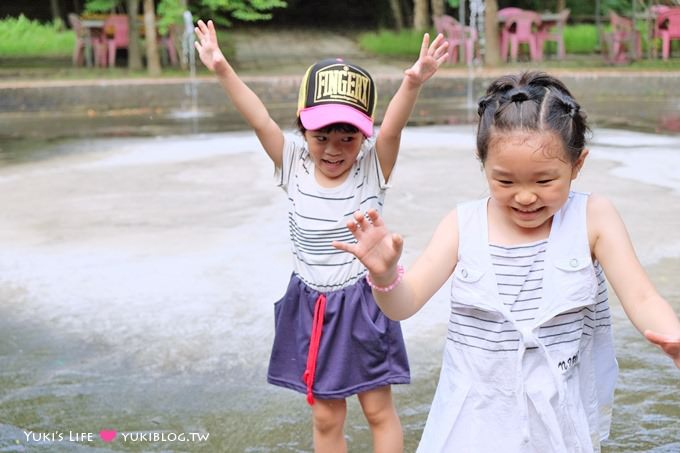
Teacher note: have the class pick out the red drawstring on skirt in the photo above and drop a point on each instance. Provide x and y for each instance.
(314, 342)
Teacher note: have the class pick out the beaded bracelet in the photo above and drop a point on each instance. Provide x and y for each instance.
(391, 286)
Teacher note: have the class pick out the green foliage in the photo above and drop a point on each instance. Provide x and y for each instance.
(170, 11)
(580, 39)
(101, 6)
(21, 37)
(393, 44)
(245, 10)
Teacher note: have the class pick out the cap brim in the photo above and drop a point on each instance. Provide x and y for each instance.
(320, 116)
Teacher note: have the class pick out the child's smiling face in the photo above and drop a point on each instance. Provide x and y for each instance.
(529, 176)
(333, 154)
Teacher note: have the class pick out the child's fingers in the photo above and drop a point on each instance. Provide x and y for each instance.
(361, 220)
(211, 28)
(425, 44)
(375, 218)
(398, 242)
(344, 246)
(200, 25)
(441, 51)
(670, 345)
(199, 34)
(437, 43)
(441, 59)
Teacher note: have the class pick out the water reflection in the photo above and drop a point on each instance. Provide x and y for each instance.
(137, 276)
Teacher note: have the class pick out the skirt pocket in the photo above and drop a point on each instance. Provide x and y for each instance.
(369, 331)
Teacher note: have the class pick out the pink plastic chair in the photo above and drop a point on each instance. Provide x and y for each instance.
(503, 15)
(83, 35)
(667, 28)
(116, 30)
(521, 28)
(457, 36)
(553, 31)
(624, 41)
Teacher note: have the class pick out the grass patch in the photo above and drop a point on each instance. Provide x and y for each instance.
(393, 44)
(22, 37)
(580, 39)
(581, 43)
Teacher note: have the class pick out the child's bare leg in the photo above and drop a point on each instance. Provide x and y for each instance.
(383, 420)
(329, 423)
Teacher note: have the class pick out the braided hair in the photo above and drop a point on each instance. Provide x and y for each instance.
(532, 101)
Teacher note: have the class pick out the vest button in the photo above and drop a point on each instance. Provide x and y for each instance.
(573, 262)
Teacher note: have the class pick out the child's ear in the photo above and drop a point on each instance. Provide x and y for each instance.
(578, 165)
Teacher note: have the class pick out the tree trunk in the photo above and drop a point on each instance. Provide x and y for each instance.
(561, 4)
(492, 55)
(134, 50)
(56, 11)
(421, 21)
(153, 61)
(395, 8)
(438, 8)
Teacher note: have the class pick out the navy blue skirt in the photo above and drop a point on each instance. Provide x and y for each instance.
(360, 348)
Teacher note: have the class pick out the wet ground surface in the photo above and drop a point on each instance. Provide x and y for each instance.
(137, 276)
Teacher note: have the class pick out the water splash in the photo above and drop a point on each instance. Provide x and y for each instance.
(476, 25)
(189, 60)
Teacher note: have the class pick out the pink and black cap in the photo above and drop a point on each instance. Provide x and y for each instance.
(334, 91)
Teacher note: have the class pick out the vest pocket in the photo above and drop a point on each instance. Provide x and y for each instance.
(575, 278)
(466, 273)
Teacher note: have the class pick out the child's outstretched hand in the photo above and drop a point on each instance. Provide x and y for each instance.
(430, 58)
(377, 248)
(670, 345)
(208, 50)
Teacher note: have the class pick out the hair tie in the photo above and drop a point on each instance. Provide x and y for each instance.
(483, 103)
(518, 95)
(573, 110)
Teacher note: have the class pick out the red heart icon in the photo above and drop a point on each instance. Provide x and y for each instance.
(107, 435)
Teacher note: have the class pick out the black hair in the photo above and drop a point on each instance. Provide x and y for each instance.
(531, 101)
(335, 127)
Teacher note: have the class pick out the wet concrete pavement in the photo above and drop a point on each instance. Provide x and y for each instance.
(138, 274)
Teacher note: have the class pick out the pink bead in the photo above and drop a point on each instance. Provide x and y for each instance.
(391, 286)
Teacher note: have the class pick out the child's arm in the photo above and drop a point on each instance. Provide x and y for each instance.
(244, 99)
(401, 105)
(379, 250)
(647, 310)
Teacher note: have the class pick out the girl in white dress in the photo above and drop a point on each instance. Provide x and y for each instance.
(529, 364)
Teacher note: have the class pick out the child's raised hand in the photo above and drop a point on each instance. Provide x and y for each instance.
(208, 50)
(670, 345)
(377, 248)
(430, 58)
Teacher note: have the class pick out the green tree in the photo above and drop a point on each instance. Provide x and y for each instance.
(170, 12)
(492, 52)
(421, 13)
(153, 61)
(245, 10)
(134, 50)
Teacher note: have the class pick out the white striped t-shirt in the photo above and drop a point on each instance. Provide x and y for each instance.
(519, 275)
(318, 215)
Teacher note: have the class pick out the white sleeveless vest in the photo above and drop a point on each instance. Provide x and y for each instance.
(546, 387)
